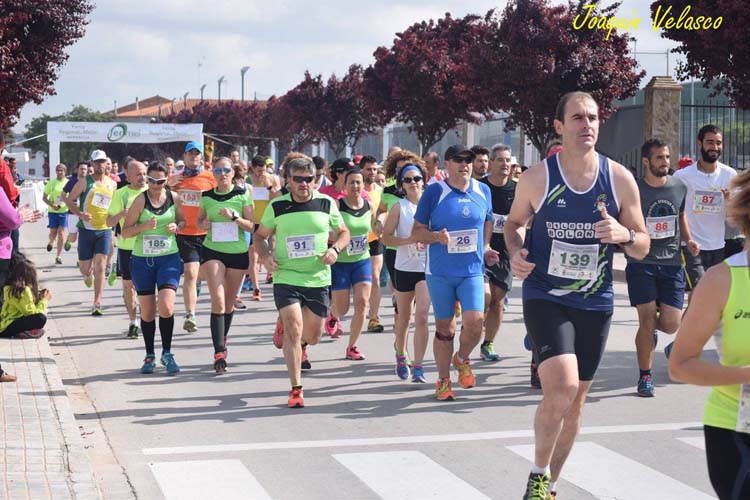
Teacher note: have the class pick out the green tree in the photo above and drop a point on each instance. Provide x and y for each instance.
(70, 152)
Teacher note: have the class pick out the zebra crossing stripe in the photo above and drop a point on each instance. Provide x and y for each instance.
(606, 475)
(202, 479)
(407, 474)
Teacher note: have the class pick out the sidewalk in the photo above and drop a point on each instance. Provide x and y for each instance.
(42, 453)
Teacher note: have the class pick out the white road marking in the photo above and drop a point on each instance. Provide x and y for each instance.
(606, 474)
(435, 438)
(698, 442)
(201, 479)
(407, 474)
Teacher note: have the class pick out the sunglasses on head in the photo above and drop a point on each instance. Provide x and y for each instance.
(158, 182)
(223, 170)
(299, 179)
(462, 159)
(409, 180)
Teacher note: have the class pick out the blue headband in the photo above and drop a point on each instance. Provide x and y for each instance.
(408, 168)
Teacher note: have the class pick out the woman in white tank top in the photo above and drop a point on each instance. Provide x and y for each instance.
(409, 282)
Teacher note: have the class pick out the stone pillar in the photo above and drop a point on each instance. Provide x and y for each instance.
(661, 115)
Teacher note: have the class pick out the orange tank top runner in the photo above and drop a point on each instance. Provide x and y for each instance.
(189, 190)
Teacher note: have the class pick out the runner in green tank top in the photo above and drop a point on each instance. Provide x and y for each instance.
(301, 221)
(155, 263)
(720, 306)
(353, 269)
(226, 212)
(135, 172)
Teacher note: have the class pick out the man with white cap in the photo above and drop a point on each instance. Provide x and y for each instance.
(89, 200)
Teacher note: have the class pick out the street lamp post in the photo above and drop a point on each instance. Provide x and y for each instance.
(184, 99)
(243, 70)
(203, 87)
(221, 80)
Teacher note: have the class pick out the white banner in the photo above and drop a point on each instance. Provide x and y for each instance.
(144, 133)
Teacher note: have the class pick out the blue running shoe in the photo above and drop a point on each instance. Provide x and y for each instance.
(487, 352)
(417, 375)
(646, 387)
(148, 364)
(668, 349)
(167, 359)
(402, 367)
(527, 342)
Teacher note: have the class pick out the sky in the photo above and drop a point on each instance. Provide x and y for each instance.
(140, 48)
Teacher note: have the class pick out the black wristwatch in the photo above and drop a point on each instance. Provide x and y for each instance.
(235, 216)
(333, 247)
(631, 240)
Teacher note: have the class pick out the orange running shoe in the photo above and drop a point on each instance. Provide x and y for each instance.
(296, 399)
(465, 376)
(278, 334)
(443, 390)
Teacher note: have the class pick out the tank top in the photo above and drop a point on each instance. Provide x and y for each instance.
(95, 201)
(573, 268)
(733, 345)
(156, 242)
(410, 257)
(190, 190)
(261, 199)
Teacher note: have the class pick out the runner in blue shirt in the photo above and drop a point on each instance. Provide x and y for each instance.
(454, 217)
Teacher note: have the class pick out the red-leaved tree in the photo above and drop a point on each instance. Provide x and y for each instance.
(33, 37)
(523, 61)
(282, 122)
(421, 79)
(712, 55)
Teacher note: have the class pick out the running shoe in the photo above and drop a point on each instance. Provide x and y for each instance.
(443, 390)
(198, 288)
(190, 325)
(133, 332)
(49, 245)
(278, 334)
(354, 354)
(58, 260)
(646, 387)
(417, 375)
(535, 381)
(96, 310)
(527, 342)
(112, 278)
(238, 304)
(67, 246)
(465, 376)
(257, 295)
(402, 367)
(536, 487)
(167, 359)
(505, 304)
(306, 365)
(149, 363)
(333, 327)
(88, 280)
(374, 326)
(296, 399)
(269, 278)
(247, 285)
(668, 349)
(32, 334)
(487, 352)
(220, 362)
(551, 495)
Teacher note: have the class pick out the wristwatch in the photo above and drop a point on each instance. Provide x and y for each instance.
(235, 216)
(631, 240)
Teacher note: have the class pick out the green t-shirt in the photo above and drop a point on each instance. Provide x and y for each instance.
(358, 221)
(124, 197)
(225, 235)
(389, 198)
(53, 190)
(156, 242)
(302, 238)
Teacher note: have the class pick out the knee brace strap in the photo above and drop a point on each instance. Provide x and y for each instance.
(444, 338)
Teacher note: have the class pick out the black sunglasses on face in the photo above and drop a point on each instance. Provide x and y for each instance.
(299, 179)
(409, 180)
(158, 182)
(462, 159)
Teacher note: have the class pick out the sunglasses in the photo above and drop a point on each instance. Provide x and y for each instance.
(409, 180)
(462, 159)
(158, 182)
(299, 179)
(224, 170)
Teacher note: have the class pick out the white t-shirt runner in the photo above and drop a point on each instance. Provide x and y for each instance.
(705, 204)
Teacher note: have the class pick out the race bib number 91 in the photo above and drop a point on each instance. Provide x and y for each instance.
(298, 247)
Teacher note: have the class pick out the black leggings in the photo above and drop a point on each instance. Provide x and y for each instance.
(728, 456)
(33, 322)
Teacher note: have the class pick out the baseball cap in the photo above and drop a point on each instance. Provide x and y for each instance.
(513, 160)
(179, 163)
(456, 150)
(357, 159)
(98, 155)
(194, 145)
(684, 162)
(341, 165)
(269, 161)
